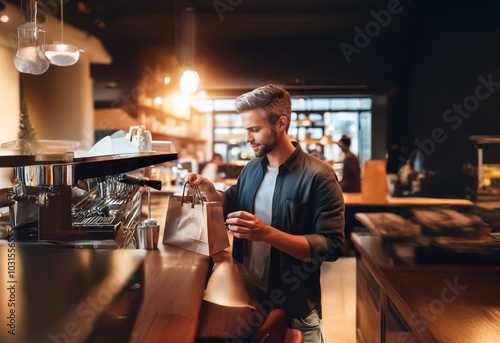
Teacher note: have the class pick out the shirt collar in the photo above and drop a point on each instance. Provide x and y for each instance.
(290, 161)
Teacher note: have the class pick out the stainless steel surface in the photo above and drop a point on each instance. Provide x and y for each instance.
(84, 199)
(45, 175)
(147, 234)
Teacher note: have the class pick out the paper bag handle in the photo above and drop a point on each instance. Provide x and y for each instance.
(195, 192)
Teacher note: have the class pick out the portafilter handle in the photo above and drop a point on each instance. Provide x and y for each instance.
(131, 180)
(12, 194)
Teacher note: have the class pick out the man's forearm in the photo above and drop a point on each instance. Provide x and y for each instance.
(294, 245)
(215, 195)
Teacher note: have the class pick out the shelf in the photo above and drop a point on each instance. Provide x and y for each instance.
(319, 126)
(484, 139)
(321, 112)
(166, 137)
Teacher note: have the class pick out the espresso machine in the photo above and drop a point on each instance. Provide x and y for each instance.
(78, 201)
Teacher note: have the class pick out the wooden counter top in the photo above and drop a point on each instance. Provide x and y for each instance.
(440, 303)
(173, 309)
(354, 199)
(173, 292)
(175, 281)
(452, 305)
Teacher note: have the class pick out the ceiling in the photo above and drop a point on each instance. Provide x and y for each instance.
(242, 44)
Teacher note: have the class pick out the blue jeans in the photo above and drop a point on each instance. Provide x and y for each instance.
(311, 327)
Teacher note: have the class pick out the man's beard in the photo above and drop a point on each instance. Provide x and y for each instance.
(269, 144)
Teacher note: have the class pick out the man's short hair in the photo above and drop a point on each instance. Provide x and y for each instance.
(346, 140)
(273, 101)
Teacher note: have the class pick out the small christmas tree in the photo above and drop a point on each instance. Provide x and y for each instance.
(26, 130)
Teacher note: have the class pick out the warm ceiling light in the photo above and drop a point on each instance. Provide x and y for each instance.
(111, 85)
(4, 18)
(306, 121)
(189, 82)
(326, 140)
(83, 8)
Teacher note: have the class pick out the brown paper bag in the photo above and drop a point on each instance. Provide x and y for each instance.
(194, 224)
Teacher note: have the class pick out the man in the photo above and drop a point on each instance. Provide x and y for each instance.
(286, 210)
(351, 170)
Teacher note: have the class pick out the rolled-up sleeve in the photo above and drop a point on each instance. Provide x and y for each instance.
(328, 238)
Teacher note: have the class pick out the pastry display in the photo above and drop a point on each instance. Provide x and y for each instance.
(450, 223)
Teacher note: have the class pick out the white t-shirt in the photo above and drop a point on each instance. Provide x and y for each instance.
(260, 251)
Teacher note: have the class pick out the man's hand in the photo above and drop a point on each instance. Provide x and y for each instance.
(205, 185)
(242, 224)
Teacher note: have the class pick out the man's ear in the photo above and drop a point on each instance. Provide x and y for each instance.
(282, 123)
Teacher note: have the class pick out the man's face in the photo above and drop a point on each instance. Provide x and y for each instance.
(261, 135)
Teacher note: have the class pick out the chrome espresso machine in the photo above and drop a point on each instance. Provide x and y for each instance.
(83, 201)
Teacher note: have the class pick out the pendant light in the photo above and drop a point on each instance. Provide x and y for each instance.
(327, 136)
(326, 140)
(30, 58)
(190, 79)
(59, 53)
(306, 121)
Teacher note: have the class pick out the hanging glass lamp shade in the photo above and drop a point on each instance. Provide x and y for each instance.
(30, 57)
(59, 53)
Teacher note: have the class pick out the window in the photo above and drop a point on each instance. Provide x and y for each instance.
(312, 119)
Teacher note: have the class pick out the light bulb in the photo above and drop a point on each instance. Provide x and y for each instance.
(189, 82)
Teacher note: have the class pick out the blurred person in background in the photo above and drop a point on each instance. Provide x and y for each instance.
(210, 171)
(351, 169)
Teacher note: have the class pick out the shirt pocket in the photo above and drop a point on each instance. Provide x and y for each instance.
(296, 217)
